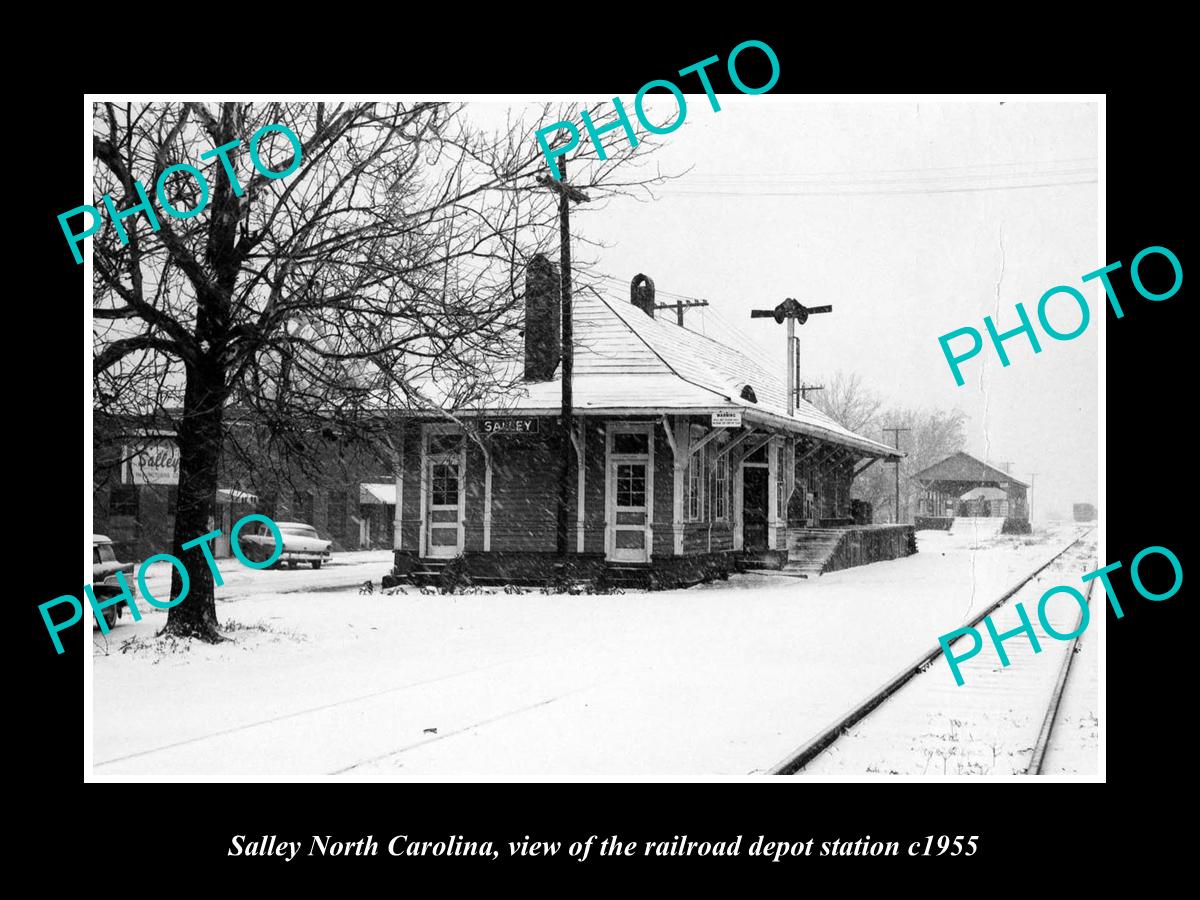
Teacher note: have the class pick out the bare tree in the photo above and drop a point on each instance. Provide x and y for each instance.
(933, 435)
(848, 402)
(375, 268)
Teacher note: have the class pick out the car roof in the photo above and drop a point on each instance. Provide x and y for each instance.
(100, 539)
(295, 524)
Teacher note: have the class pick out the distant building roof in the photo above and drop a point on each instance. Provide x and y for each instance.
(377, 493)
(625, 360)
(962, 466)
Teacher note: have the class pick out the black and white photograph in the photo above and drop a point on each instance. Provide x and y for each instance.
(674, 435)
(679, 435)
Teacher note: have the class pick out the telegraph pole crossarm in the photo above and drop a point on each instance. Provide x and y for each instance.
(679, 306)
(563, 189)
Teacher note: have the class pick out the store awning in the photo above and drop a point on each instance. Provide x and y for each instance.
(233, 495)
(377, 493)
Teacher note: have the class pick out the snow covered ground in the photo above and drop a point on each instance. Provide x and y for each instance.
(342, 570)
(717, 679)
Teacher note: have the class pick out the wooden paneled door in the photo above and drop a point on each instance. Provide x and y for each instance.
(630, 492)
(755, 497)
(443, 494)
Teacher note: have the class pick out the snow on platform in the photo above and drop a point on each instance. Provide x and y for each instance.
(976, 528)
(718, 679)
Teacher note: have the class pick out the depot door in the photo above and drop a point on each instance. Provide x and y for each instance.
(630, 482)
(754, 507)
(443, 495)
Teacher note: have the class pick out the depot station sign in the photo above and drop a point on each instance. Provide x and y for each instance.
(509, 426)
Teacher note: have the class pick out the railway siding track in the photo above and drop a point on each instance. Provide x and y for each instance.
(901, 736)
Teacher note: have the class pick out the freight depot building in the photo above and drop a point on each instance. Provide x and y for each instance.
(684, 459)
(962, 486)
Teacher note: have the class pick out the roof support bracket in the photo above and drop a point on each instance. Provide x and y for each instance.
(666, 424)
(865, 466)
(812, 451)
(732, 444)
(766, 439)
(700, 444)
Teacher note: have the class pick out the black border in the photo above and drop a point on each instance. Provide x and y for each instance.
(168, 828)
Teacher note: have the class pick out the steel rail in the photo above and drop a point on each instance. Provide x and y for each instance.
(813, 747)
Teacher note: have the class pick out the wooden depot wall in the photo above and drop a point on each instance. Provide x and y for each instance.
(525, 471)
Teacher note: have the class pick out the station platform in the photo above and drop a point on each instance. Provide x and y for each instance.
(812, 552)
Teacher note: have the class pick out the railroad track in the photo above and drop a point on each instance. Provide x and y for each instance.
(1020, 654)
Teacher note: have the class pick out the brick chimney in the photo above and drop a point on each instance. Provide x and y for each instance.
(543, 319)
(641, 293)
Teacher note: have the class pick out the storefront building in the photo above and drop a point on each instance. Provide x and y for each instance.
(135, 485)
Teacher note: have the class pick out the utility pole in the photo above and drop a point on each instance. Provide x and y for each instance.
(566, 195)
(679, 306)
(1029, 502)
(896, 432)
(793, 311)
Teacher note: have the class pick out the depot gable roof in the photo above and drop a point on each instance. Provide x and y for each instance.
(627, 361)
(963, 466)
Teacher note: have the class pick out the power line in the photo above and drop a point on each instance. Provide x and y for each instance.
(1045, 162)
(799, 181)
(871, 192)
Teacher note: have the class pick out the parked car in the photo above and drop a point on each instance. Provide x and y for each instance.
(105, 567)
(301, 543)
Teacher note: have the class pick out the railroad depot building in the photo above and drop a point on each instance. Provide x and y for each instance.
(962, 486)
(684, 459)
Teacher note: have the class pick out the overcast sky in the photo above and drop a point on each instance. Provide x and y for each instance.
(894, 214)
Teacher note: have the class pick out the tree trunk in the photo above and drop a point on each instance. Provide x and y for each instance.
(201, 441)
(200, 444)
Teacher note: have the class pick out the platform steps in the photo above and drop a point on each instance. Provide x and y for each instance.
(810, 549)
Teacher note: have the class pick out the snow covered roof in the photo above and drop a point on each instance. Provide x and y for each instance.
(378, 492)
(984, 493)
(962, 466)
(625, 360)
